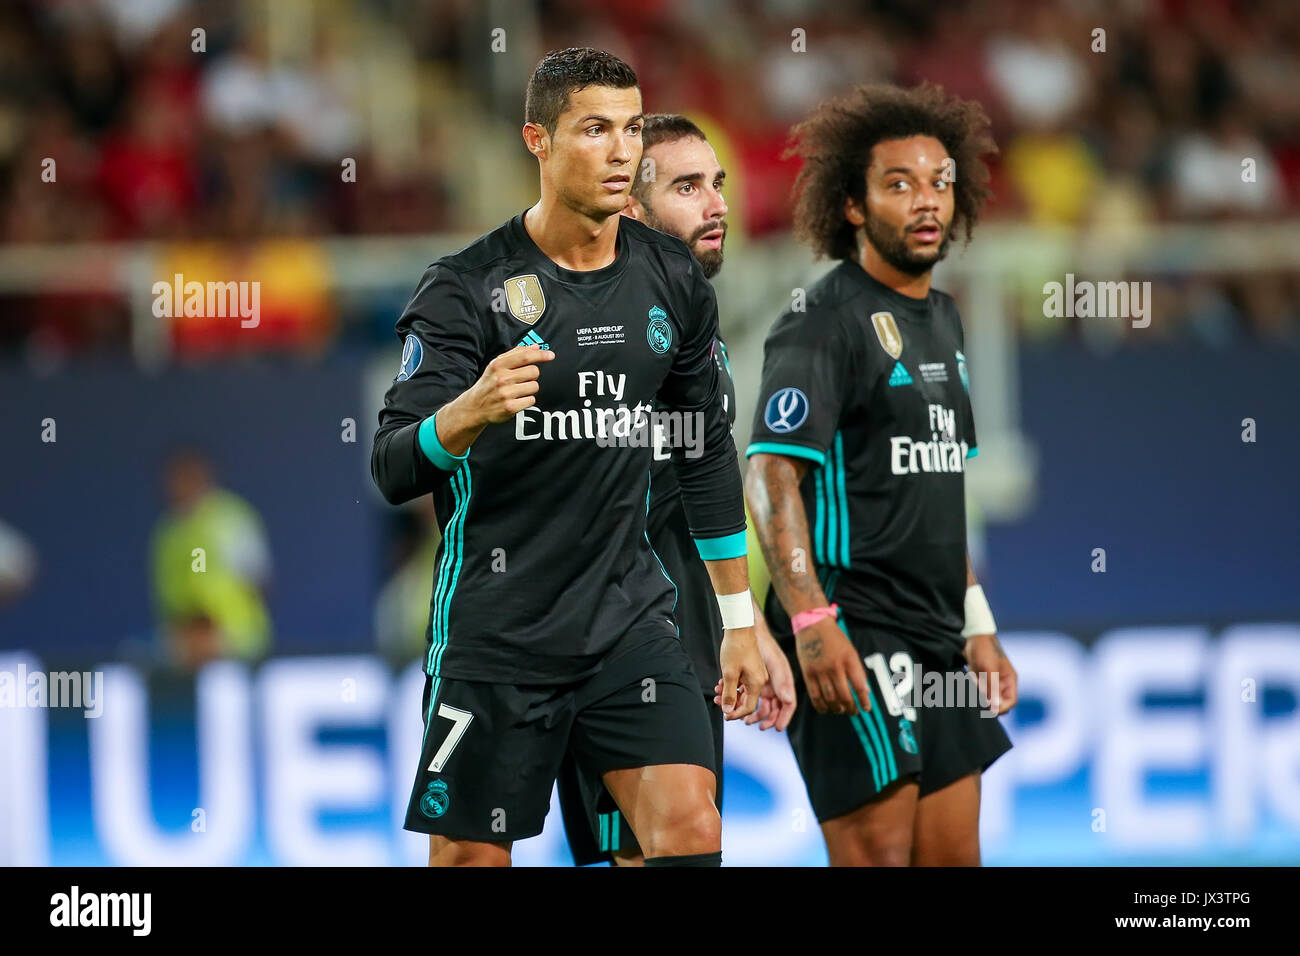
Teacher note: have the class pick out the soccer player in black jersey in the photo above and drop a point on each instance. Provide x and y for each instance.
(532, 364)
(678, 190)
(856, 485)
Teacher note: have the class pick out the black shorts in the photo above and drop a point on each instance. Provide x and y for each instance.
(928, 728)
(593, 823)
(491, 752)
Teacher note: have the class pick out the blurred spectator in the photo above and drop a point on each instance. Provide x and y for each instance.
(244, 141)
(211, 567)
(1210, 175)
(148, 176)
(1037, 76)
(1055, 173)
(17, 563)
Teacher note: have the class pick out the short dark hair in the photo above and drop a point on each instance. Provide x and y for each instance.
(659, 128)
(836, 141)
(562, 72)
(667, 128)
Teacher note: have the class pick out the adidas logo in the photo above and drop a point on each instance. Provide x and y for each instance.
(532, 338)
(899, 376)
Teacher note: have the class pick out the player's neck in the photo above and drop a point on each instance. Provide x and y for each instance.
(913, 286)
(571, 239)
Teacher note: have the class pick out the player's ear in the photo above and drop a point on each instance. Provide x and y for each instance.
(853, 212)
(536, 139)
(634, 209)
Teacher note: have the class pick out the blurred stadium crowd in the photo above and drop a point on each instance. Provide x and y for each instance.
(243, 141)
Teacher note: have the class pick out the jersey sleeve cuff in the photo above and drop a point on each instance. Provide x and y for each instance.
(972, 452)
(782, 448)
(720, 549)
(432, 448)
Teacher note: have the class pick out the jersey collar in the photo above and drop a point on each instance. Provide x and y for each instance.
(548, 266)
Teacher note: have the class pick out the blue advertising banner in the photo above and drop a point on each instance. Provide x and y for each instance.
(1160, 745)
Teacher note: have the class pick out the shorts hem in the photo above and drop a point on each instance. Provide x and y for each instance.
(975, 766)
(474, 837)
(850, 807)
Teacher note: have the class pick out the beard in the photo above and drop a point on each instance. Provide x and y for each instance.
(892, 245)
(710, 259)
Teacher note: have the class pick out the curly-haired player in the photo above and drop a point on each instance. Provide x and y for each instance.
(858, 457)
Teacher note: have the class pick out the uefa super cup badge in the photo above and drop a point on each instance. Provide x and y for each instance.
(435, 801)
(658, 332)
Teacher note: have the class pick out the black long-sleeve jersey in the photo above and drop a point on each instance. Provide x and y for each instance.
(545, 562)
(697, 613)
(871, 386)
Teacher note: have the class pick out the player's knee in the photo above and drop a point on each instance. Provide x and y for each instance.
(954, 851)
(870, 842)
(872, 849)
(689, 829)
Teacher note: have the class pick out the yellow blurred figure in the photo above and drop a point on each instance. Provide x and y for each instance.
(1055, 174)
(211, 563)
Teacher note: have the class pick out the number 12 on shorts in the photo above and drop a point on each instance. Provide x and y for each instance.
(901, 665)
(460, 721)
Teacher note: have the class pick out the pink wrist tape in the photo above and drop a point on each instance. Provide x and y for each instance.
(812, 616)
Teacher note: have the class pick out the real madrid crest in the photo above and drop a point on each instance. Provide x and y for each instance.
(434, 801)
(887, 332)
(658, 332)
(525, 297)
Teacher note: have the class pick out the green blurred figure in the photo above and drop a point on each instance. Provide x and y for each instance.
(211, 565)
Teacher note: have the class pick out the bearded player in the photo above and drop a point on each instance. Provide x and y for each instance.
(858, 457)
(678, 190)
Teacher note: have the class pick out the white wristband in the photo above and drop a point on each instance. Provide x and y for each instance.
(737, 610)
(979, 618)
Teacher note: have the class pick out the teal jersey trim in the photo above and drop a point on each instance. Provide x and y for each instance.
(781, 448)
(972, 452)
(453, 554)
(831, 522)
(725, 360)
(819, 523)
(719, 549)
(842, 499)
(427, 435)
(832, 507)
(828, 578)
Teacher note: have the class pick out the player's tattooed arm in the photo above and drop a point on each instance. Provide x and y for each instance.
(833, 672)
(772, 490)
